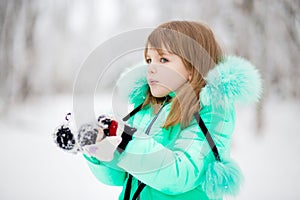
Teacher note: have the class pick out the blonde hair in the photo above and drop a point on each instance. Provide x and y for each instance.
(197, 47)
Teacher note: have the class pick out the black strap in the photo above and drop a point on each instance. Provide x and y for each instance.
(138, 191)
(128, 188)
(207, 136)
(137, 109)
(125, 140)
(205, 132)
(200, 123)
(128, 131)
(126, 137)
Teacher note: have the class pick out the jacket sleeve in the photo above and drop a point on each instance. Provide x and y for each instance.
(173, 169)
(106, 172)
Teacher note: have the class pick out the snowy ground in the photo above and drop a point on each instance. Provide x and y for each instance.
(33, 168)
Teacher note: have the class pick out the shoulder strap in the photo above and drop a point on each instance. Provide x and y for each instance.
(205, 132)
(138, 191)
(137, 109)
(207, 136)
(128, 188)
(129, 180)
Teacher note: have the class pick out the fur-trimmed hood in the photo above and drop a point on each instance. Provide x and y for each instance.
(234, 79)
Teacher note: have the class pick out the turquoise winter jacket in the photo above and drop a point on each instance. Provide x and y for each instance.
(178, 163)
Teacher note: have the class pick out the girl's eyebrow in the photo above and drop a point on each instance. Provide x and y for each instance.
(164, 53)
(160, 52)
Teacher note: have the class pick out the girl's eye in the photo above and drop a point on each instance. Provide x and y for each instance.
(164, 60)
(148, 60)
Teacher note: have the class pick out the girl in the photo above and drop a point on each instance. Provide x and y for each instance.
(176, 144)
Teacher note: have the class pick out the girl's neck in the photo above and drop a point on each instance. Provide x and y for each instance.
(156, 107)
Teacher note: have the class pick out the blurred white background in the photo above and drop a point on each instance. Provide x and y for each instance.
(44, 43)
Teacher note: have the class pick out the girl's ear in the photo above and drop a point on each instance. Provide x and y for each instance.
(190, 77)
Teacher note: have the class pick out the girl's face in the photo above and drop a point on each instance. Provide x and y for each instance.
(166, 72)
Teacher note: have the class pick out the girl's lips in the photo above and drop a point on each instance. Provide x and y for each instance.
(152, 82)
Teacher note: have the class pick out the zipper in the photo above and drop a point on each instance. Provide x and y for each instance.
(153, 120)
(149, 128)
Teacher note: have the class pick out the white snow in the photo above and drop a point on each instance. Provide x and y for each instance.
(32, 167)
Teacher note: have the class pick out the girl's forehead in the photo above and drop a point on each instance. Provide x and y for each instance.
(160, 51)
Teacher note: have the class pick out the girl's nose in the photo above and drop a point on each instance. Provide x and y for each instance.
(152, 69)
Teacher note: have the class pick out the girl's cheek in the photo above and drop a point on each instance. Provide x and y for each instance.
(171, 79)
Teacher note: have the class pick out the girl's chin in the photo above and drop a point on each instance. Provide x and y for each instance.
(159, 94)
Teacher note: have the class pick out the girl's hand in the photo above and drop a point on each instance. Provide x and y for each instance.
(104, 149)
(106, 141)
(88, 134)
(100, 135)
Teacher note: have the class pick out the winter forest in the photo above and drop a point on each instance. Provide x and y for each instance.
(43, 44)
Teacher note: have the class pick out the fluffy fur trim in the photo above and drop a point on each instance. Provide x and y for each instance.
(222, 179)
(133, 84)
(138, 94)
(233, 79)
